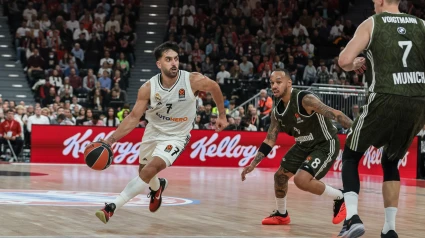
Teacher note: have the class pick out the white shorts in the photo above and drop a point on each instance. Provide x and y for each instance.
(168, 150)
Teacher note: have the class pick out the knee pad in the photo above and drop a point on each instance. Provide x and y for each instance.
(390, 169)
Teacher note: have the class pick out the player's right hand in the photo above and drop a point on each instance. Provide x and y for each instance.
(248, 169)
(359, 65)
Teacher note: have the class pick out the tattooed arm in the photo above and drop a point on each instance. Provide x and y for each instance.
(270, 141)
(312, 103)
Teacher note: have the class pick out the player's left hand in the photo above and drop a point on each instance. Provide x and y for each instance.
(221, 123)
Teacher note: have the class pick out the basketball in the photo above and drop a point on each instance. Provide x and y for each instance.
(98, 155)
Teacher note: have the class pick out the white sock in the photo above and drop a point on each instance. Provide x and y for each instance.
(133, 188)
(281, 205)
(154, 183)
(390, 213)
(351, 202)
(335, 194)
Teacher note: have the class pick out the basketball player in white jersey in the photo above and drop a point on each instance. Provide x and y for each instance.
(169, 98)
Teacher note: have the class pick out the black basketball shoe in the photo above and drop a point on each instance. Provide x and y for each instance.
(352, 228)
(390, 234)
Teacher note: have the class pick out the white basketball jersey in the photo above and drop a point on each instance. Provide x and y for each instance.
(172, 111)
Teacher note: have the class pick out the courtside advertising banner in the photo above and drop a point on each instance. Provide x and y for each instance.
(66, 144)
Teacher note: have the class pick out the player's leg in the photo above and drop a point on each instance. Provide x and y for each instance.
(168, 151)
(372, 127)
(409, 124)
(314, 168)
(289, 165)
(280, 216)
(390, 193)
(133, 188)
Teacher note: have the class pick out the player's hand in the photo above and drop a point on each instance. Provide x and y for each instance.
(248, 169)
(106, 142)
(359, 65)
(221, 123)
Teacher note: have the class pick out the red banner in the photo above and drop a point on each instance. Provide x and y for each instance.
(66, 144)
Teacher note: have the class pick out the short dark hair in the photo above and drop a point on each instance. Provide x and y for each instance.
(166, 46)
(61, 117)
(287, 74)
(10, 110)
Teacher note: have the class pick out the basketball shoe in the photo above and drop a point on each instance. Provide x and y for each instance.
(352, 228)
(277, 218)
(156, 196)
(390, 234)
(339, 211)
(106, 213)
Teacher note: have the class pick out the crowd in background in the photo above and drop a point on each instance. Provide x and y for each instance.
(77, 55)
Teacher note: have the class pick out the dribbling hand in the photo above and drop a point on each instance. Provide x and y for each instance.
(221, 123)
(359, 65)
(248, 169)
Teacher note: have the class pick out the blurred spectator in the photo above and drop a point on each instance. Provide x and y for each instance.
(111, 119)
(37, 118)
(10, 130)
(265, 104)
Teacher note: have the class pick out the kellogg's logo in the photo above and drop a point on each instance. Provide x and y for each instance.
(372, 157)
(228, 147)
(77, 143)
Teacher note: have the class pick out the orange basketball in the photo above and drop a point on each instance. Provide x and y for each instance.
(98, 155)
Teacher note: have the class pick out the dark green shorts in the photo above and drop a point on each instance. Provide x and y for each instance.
(388, 121)
(318, 159)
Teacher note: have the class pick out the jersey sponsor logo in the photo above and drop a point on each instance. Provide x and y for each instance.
(399, 20)
(297, 130)
(299, 119)
(302, 139)
(168, 148)
(182, 94)
(408, 78)
(157, 97)
(173, 119)
(77, 198)
(401, 30)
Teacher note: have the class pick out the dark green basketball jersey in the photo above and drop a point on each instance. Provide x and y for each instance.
(308, 130)
(396, 55)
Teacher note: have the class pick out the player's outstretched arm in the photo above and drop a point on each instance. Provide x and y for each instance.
(131, 121)
(348, 59)
(265, 147)
(312, 103)
(201, 82)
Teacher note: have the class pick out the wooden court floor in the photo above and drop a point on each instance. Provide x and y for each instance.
(60, 201)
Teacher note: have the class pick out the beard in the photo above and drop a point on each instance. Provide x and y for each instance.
(282, 94)
(171, 73)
